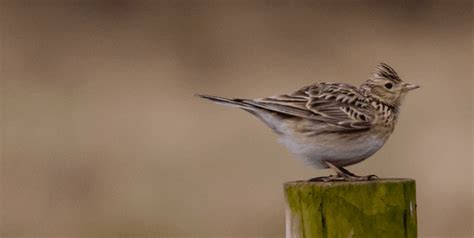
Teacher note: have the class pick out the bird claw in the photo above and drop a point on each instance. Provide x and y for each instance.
(360, 178)
(329, 178)
(372, 177)
(343, 177)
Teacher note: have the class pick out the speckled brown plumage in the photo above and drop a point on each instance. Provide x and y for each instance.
(333, 124)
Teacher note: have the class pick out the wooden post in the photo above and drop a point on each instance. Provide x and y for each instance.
(378, 208)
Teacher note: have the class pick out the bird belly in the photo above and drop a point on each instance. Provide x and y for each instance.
(340, 150)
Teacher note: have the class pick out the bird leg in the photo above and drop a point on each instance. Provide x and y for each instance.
(342, 174)
(348, 176)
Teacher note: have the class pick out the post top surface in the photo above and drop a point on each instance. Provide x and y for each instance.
(342, 183)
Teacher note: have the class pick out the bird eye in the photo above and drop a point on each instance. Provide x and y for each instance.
(388, 85)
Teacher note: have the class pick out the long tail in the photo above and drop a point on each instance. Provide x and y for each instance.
(250, 106)
(234, 102)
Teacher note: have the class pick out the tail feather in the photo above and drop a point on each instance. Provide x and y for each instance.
(248, 105)
(233, 102)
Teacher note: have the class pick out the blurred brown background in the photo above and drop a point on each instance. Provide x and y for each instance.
(101, 136)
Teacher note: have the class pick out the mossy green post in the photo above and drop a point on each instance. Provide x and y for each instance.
(378, 208)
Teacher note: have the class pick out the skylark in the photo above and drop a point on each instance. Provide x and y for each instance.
(333, 125)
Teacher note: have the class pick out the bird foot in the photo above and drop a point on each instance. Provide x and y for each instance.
(343, 177)
(353, 178)
(329, 178)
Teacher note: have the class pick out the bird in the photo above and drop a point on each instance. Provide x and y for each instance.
(332, 125)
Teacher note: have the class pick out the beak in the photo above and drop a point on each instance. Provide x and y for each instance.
(409, 87)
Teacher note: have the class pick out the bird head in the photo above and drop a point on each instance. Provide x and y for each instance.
(386, 86)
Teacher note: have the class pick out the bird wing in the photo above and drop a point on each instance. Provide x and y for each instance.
(339, 106)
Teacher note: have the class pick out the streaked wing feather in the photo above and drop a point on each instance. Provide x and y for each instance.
(340, 106)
